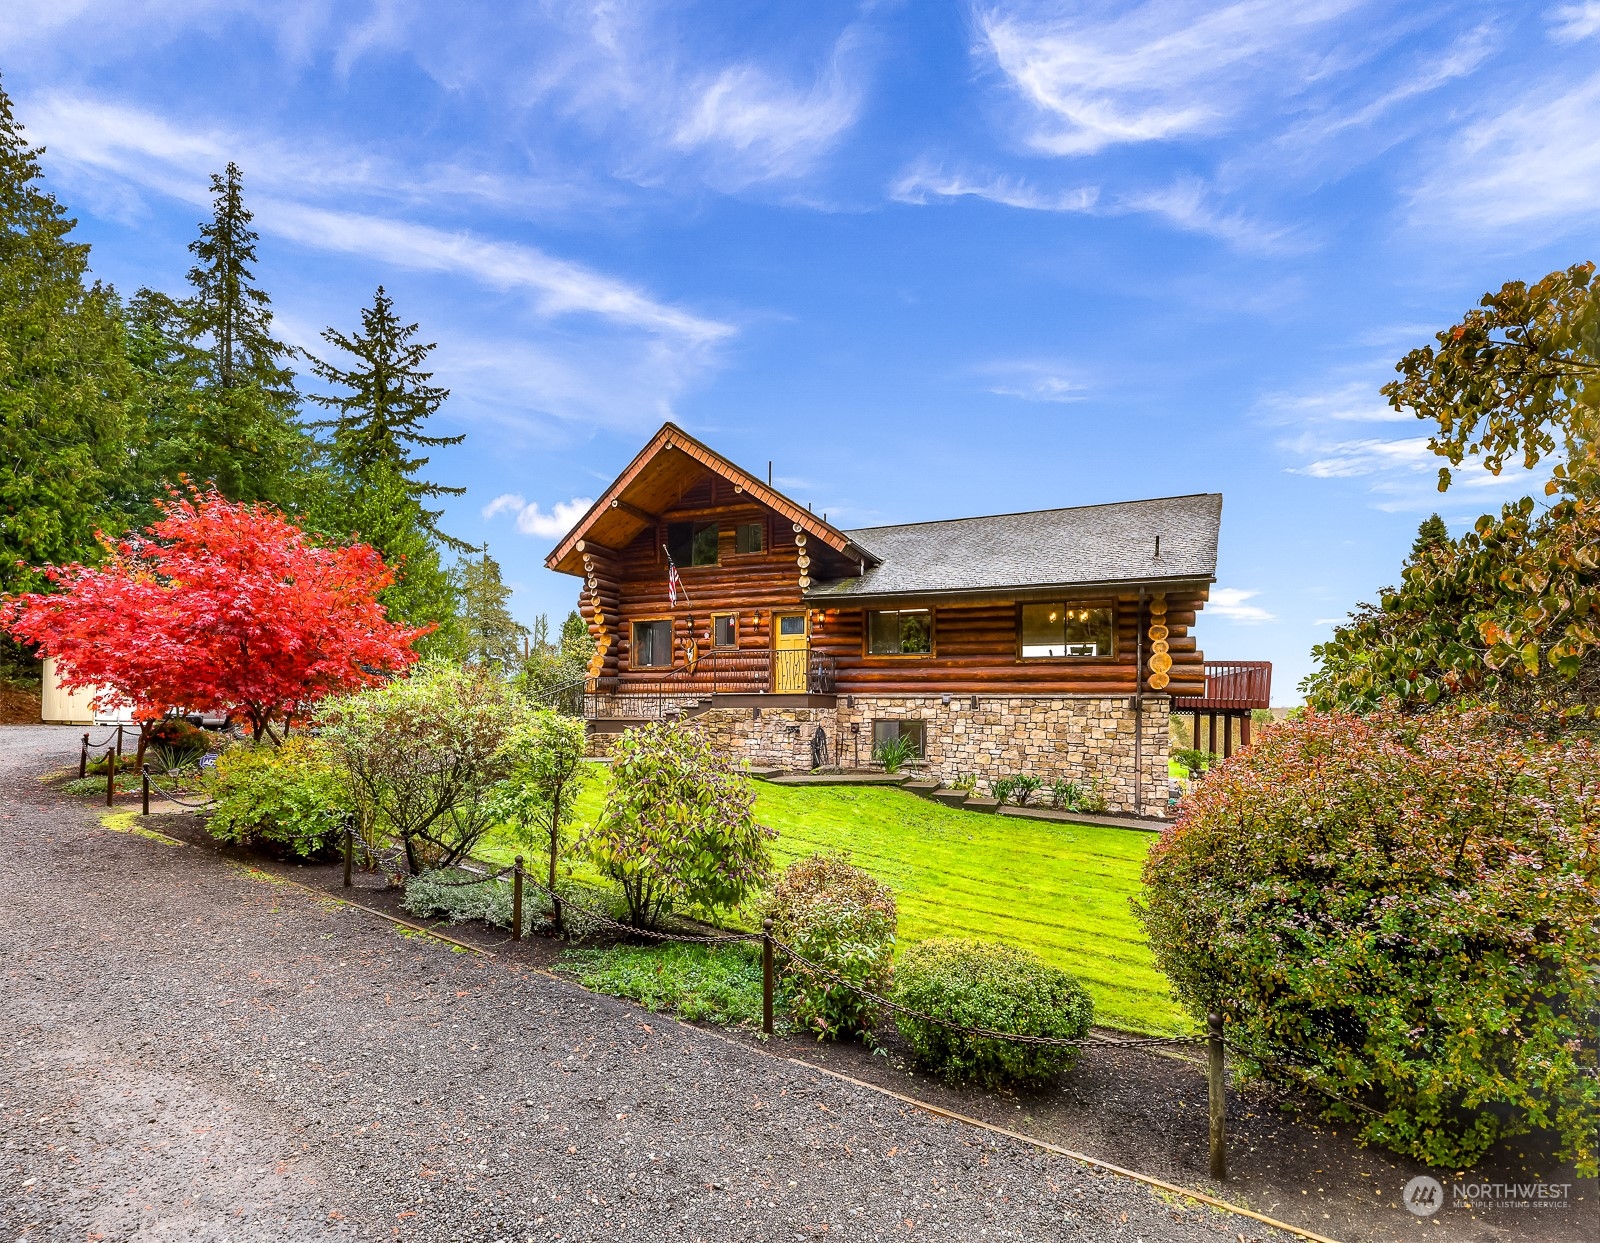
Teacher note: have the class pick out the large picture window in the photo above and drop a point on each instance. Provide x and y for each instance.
(1060, 629)
(900, 632)
(652, 645)
(692, 543)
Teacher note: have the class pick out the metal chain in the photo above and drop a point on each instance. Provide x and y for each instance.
(985, 1033)
(724, 939)
(473, 879)
(173, 798)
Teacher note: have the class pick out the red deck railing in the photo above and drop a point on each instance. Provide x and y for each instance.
(1231, 686)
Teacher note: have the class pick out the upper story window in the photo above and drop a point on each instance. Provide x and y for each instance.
(900, 632)
(692, 543)
(652, 645)
(1060, 629)
(750, 537)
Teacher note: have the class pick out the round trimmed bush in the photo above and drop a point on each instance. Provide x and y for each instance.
(837, 915)
(291, 797)
(1000, 987)
(1405, 908)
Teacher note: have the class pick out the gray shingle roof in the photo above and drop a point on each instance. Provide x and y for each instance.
(1085, 545)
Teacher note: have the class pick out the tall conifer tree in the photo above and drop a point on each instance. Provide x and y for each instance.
(387, 401)
(492, 635)
(244, 434)
(64, 379)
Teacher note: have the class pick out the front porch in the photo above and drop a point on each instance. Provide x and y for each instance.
(734, 678)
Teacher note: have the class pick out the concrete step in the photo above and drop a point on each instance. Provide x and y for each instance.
(923, 786)
(950, 798)
(977, 803)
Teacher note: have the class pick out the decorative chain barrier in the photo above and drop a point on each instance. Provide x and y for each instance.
(150, 783)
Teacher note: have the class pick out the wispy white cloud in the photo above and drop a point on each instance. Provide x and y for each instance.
(925, 183)
(1152, 73)
(1571, 22)
(1534, 163)
(531, 520)
(558, 286)
(1033, 380)
(1232, 603)
(1338, 401)
(1186, 204)
(1368, 456)
(764, 128)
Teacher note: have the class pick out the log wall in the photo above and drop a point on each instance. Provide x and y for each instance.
(975, 643)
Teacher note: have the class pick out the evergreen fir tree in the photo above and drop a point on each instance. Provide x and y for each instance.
(492, 635)
(243, 434)
(1431, 534)
(379, 512)
(386, 403)
(64, 379)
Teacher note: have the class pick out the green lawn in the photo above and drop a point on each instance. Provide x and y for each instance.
(1061, 890)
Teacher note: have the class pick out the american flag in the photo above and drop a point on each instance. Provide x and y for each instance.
(672, 584)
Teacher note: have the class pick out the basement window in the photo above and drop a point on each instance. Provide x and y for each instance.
(1060, 630)
(887, 731)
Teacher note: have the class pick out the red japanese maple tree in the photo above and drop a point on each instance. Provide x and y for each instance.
(217, 607)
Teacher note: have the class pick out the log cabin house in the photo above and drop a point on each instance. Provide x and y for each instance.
(1050, 642)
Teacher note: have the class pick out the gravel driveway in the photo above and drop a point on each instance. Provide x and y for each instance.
(193, 1053)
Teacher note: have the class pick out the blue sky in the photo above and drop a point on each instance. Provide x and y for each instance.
(931, 259)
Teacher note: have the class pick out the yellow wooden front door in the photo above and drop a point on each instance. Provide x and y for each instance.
(792, 644)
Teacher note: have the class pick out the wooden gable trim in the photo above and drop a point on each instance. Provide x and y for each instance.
(674, 437)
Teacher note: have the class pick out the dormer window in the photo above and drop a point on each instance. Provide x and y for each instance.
(750, 537)
(692, 543)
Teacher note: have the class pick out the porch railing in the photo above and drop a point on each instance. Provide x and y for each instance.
(718, 672)
(1231, 685)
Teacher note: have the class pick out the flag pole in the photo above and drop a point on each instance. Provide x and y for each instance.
(673, 577)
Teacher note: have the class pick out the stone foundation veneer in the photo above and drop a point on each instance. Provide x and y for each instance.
(1050, 736)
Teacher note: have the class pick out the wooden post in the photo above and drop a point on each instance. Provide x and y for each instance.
(144, 778)
(1211, 744)
(516, 900)
(83, 758)
(111, 775)
(1244, 730)
(766, 977)
(1227, 736)
(119, 746)
(349, 854)
(1219, 1101)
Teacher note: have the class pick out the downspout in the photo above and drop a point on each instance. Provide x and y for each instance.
(1138, 710)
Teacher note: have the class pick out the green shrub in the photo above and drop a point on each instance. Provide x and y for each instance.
(895, 753)
(718, 984)
(1407, 906)
(445, 894)
(999, 987)
(1195, 760)
(840, 917)
(174, 744)
(678, 829)
(291, 797)
(1064, 795)
(423, 755)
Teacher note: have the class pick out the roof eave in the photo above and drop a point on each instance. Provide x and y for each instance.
(1019, 590)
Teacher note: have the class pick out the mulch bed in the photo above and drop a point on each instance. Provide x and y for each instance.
(1142, 1109)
